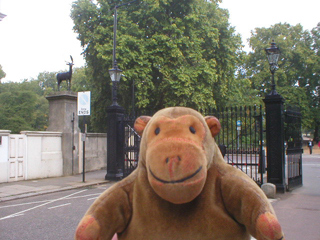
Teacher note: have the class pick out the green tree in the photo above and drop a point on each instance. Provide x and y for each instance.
(297, 77)
(48, 82)
(314, 87)
(172, 52)
(79, 80)
(22, 107)
(241, 92)
(2, 73)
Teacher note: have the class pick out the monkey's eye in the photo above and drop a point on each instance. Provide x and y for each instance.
(157, 131)
(192, 130)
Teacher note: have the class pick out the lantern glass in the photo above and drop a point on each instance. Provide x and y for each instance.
(115, 74)
(273, 54)
(273, 58)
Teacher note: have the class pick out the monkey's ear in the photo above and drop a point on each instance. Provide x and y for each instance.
(213, 124)
(141, 123)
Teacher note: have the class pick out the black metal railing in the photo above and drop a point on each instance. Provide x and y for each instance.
(293, 138)
(241, 136)
(131, 148)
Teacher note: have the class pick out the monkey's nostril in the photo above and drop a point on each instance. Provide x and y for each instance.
(173, 159)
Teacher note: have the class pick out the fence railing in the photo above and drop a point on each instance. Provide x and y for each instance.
(242, 137)
(132, 144)
(293, 138)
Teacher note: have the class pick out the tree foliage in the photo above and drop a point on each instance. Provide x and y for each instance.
(2, 73)
(172, 52)
(48, 81)
(297, 78)
(24, 106)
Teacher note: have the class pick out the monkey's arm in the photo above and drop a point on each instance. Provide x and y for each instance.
(108, 215)
(247, 203)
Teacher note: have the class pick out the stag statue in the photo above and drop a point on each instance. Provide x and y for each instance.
(66, 75)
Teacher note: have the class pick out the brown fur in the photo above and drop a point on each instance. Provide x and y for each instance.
(182, 189)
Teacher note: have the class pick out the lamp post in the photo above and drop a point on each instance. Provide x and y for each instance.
(273, 54)
(115, 117)
(115, 72)
(275, 127)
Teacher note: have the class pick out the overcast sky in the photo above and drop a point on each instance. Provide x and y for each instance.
(246, 15)
(37, 35)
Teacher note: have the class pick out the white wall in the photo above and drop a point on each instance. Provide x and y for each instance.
(4, 155)
(44, 155)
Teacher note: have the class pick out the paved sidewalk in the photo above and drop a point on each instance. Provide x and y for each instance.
(299, 211)
(22, 189)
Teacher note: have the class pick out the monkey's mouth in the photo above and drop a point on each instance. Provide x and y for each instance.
(176, 181)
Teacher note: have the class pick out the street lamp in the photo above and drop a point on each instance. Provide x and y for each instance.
(273, 54)
(115, 72)
(274, 107)
(115, 117)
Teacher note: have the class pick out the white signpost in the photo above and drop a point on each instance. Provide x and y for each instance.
(84, 103)
(84, 109)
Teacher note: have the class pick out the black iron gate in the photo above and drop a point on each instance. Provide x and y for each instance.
(131, 148)
(241, 136)
(293, 138)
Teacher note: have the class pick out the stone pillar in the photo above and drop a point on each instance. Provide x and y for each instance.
(115, 143)
(275, 141)
(63, 118)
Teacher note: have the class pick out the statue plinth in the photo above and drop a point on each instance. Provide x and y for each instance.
(63, 118)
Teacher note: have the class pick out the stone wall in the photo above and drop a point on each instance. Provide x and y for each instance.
(96, 152)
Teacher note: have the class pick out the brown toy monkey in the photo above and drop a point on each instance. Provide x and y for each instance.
(181, 189)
